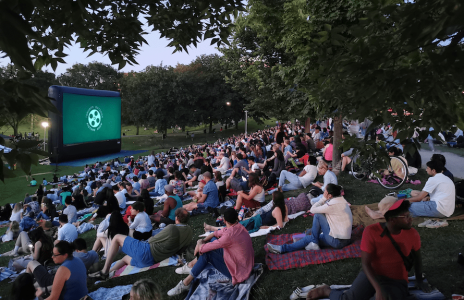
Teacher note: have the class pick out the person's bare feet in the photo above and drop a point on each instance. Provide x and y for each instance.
(319, 292)
(207, 227)
(373, 214)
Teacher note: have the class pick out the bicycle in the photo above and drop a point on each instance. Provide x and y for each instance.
(392, 178)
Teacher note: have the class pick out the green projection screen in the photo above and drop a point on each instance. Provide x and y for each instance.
(89, 118)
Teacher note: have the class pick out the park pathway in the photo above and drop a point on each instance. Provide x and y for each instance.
(454, 163)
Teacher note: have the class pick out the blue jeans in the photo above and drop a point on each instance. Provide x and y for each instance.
(154, 194)
(319, 234)
(294, 180)
(425, 209)
(215, 258)
(43, 216)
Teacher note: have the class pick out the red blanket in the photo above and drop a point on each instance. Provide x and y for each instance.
(302, 258)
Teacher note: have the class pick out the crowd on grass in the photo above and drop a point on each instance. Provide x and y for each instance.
(228, 179)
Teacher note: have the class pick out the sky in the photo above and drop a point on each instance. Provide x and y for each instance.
(154, 53)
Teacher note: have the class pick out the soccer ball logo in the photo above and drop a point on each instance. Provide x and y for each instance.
(94, 118)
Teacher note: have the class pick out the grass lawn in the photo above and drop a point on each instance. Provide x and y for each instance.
(440, 247)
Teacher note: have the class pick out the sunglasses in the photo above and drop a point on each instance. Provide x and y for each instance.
(406, 217)
(55, 255)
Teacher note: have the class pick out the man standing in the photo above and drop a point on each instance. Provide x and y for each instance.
(384, 274)
(230, 252)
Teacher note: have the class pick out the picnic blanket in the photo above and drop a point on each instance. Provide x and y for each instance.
(114, 293)
(129, 270)
(418, 294)
(302, 258)
(6, 273)
(4, 224)
(212, 285)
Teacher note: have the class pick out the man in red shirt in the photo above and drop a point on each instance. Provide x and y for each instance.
(383, 274)
(230, 252)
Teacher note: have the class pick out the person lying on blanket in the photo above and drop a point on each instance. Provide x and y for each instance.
(332, 224)
(230, 252)
(210, 196)
(437, 198)
(384, 274)
(171, 204)
(159, 247)
(277, 216)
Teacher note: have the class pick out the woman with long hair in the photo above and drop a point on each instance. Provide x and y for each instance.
(17, 213)
(78, 201)
(35, 242)
(179, 184)
(145, 289)
(23, 287)
(254, 198)
(277, 216)
(146, 199)
(108, 228)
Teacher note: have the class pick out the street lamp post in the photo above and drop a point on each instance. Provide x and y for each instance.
(45, 125)
(246, 122)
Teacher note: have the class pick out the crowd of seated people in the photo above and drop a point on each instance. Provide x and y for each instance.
(248, 167)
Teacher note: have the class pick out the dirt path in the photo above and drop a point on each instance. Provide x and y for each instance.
(454, 163)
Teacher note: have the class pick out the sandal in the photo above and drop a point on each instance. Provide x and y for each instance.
(99, 275)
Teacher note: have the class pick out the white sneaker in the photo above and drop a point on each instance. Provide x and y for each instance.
(438, 224)
(185, 269)
(179, 289)
(312, 246)
(425, 223)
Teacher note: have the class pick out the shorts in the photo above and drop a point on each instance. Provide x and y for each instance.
(139, 252)
(141, 236)
(251, 203)
(43, 278)
(166, 221)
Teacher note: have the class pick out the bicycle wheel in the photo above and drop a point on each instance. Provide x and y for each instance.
(359, 169)
(397, 174)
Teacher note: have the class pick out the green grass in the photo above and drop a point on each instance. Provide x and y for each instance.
(444, 148)
(439, 246)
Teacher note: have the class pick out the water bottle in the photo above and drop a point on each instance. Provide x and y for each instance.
(241, 214)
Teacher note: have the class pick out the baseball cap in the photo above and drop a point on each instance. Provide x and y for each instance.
(168, 188)
(203, 181)
(389, 203)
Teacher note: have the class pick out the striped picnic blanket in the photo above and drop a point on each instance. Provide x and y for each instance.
(302, 258)
(129, 270)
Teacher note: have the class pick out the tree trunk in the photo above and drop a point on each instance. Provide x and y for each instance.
(307, 125)
(183, 128)
(337, 141)
(15, 129)
(137, 132)
(32, 123)
(236, 124)
(210, 125)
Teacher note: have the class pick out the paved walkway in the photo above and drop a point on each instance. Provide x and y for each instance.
(454, 163)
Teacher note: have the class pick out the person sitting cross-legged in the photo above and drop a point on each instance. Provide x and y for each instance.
(230, 252)
(159, 247)
(140, 227)
(210, 196)
(168, 214)
(332, 224)
(383, 275)
(67, 232)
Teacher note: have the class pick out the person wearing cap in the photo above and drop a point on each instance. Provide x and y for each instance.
(229, 250)
(168, 242)
(171, 204)
(332, 223)
(383, 274)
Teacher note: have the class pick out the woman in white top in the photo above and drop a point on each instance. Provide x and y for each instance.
(141, 226)
(332, 224)
(253, 199)
(17, 213)
(218, 179)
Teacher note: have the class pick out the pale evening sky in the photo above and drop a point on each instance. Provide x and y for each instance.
(154, 53)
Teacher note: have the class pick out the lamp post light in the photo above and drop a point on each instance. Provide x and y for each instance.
(45, 125)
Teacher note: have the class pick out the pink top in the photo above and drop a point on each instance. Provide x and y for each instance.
(239, 255)
(329, 152)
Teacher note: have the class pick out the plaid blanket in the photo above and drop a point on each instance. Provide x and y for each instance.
(302, 258)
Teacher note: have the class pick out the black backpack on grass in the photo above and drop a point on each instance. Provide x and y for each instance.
(459, 185)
